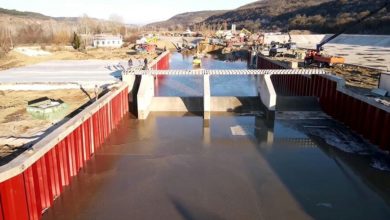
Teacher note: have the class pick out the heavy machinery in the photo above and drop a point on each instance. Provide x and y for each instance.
(246, 32)
(290, 45)
(197, 61)
(244, 35)
(281, 49)
(316, 56)
(277, 49)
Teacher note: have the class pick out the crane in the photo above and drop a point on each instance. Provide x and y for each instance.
(281, 49)
(315, 56)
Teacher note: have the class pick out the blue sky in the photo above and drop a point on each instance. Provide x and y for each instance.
(132, 11)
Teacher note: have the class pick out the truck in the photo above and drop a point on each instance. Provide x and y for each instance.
(316, 56)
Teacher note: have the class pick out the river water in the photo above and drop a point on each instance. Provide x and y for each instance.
(193, 85)
(174, 166)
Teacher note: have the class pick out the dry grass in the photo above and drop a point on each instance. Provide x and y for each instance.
(358, 76)
(17, 127)
(15, 59)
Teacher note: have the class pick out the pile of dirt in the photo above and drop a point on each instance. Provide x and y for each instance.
(165, 44)
(358, 76)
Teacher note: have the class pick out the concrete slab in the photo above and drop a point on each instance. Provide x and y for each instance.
(87, 73)
(363, 50)
(377, 57)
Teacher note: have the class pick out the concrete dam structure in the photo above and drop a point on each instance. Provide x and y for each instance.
(223, 142)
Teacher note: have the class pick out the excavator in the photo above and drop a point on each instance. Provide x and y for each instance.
(290, 45)
(316, 57)
(282, 48)
(246, 32)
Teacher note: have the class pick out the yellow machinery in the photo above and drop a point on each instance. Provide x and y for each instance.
(245, 31)
(197, 61)
(150, 40)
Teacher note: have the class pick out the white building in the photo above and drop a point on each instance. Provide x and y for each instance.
(105, 40)
(188, 33)
(234, 28)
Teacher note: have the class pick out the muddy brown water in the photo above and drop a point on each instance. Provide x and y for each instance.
(172, 167)
(176, 166)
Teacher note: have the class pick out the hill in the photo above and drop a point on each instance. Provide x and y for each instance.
(18, 27)
(321, 16)
(4, 11)
(182, 21)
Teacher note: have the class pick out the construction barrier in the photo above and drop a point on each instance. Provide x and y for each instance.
(161, 62)
(361, 114)
(32, 181)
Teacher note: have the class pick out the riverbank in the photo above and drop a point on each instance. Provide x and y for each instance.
(18, 128)
(17, 59)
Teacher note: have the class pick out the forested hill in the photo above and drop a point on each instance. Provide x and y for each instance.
(321, 16)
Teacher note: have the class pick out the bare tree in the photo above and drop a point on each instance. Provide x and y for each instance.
(86, 23)
(5, 41)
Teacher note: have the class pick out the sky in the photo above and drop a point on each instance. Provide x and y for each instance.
(132, 11)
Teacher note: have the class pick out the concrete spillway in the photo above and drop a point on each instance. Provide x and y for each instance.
(172, 167)
(237, 166)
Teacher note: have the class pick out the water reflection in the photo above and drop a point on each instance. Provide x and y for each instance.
(187, 86)
(235, 167)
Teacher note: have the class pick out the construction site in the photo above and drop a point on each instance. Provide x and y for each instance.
(229, 124)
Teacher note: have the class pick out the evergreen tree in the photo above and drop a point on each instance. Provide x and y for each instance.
(76, 41)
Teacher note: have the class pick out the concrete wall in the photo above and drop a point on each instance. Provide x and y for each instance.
(234, 104)
(146, 90)
(145, 96)
(177, 104)
(195, 104)
(206, 97)
(385, 81)
(267, 92)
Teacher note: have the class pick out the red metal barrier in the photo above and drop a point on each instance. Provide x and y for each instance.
(161, 63)
(26, 195)
(372, 122)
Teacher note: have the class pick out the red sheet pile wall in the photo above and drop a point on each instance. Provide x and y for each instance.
(27, 195)
(366, 119)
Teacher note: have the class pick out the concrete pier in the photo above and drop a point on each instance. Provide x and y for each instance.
(145, 96)
(147, 101)
(206, 97)
(267, 95)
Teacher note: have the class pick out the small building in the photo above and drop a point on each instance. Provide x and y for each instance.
(234, 28)
(188, 33)
(143, 40)
(106, 40)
